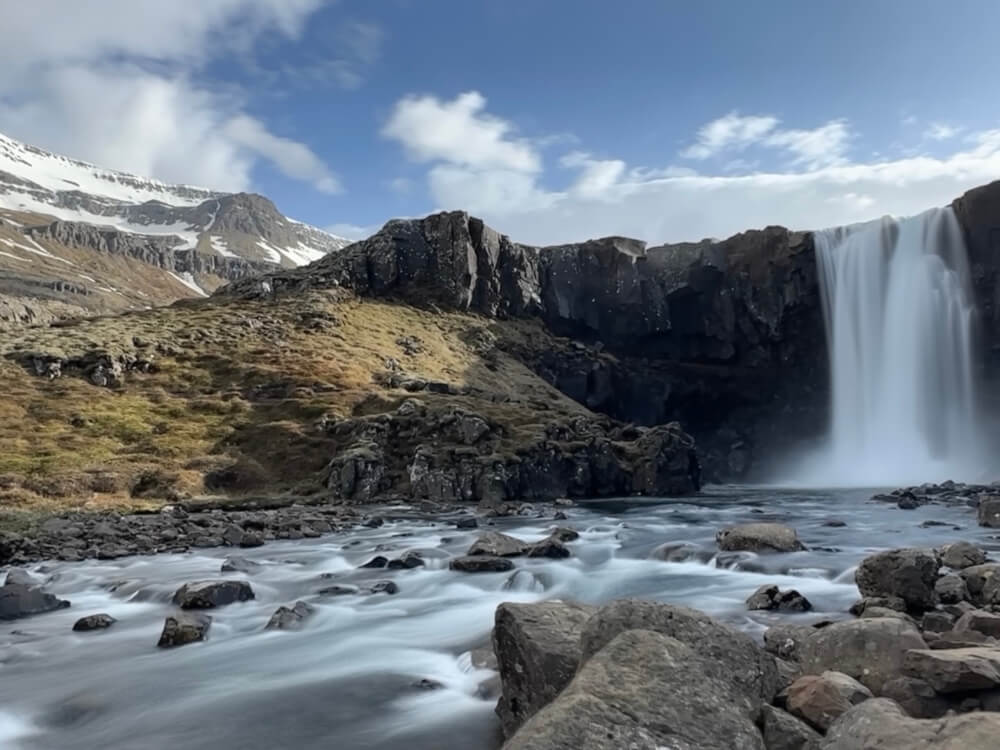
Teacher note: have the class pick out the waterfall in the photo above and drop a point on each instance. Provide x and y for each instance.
(899, 320)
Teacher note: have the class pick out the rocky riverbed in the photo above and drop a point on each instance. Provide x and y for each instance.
(378, 636)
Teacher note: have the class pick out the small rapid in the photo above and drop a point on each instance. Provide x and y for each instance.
(379, 672)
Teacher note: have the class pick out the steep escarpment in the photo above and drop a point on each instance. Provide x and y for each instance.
(716, 334)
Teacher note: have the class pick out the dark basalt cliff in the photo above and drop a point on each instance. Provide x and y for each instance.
(709, 333)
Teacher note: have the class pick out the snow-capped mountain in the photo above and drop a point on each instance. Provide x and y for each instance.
(78, 239)
(230, 225)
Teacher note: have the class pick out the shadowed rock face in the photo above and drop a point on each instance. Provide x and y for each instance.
(709, 333)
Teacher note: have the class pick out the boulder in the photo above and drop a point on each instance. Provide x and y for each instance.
(481, 564)
(377, 562)
(759, 537)
(961, 555)
(407, 561)
(729, 655)
(550, 547)
(681, 552)
(782, 731)
(18, 600)
(211, 594)
(955, 670)
(989, 511)
(983, 582)
(951, 589)
(93, 622)
(869, 650)
(770, 597)
(21, 577)
(880, 723)
(184, 628)
(916, 697)
(908, 573)
(564, 534)
(881, 602)
(236, 564)
(290, 618)
(980, 621)
(538, 650)
(388, 588)
(820, 699)
(495, 544)
(643, 690)
(783, 640)
(937, 621)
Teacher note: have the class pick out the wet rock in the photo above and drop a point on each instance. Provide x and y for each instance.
(251, 539)
(467, 523)
(379, 561)
(496, 544)
(338, 590)
(21, 577)
(538, 650)
(834, 524)
(481, 564)
(18, 600)
(951, 589)
(908, 573)
(907, 501)
(759, 537)
(239, 565)
(820, 699)
(880, 723)
(184, 628)
(989, 511)
(427, 684)
(916, 697)
(882, 602)
(983, 582)
(564, 534)
(770, 597)
(408, 561)
(955, 670)
(869, 650)
(937, 622)
(384, 587)
(681, 552)
(730, 655)
(961, 555)
(782, 731)
(290, 618)
(643, 690)
(551, 548)
(93, 622)
(980, 621)
(211, 594)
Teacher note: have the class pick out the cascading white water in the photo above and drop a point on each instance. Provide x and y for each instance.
(899, 317)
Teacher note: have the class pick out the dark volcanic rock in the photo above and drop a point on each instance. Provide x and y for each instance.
(759, 537)
(907, 573)
(290, 618)
(770, 597)
(239, 565)
(481, 564)
(782, 731)
(211, 594)
(18, 600)
(184, 628)
(93, 622)
(989, 511)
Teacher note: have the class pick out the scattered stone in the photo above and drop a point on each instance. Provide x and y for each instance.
(408, 561)
(983, 582)
(384, 587)
(908, 502)
(481, 564)
(338, 590)
(184, 628)
(770, 597)
(882, 602)
(538, 651)
(869, 650)
(496, 544)
(376, 562)
(955, 670)
(251, 539)
(211, 594)
(820, 699)
(759, 537)
(21, 577)
(564, 534)
(834, 524)
(427, 684)
(916, 697)
(93, 622)
(290, 618)
(676, 552)
(980, 621)
(880, 723)
(469, 522)
(550, 547)
(782, 731)
(373, 523)
(962, 555)
(18, 600)
(240, 565)
(951, 589)
(937, 622)
(989, 511)
(907, 573)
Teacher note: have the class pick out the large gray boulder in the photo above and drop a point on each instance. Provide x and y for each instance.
(184, 628)
(644, 691)
(979, 621)
(782, 731)
(955, 670)
(496, 544)
(881, 724)
(18, 600)
(729, 655)
(538, 651)
(820, 699)
(290, 618)
(989, 511)
(869, 650)
(983, 582)
(759, 537)
(962, 555)
(211, 594)
(907, 573)
(916, 697)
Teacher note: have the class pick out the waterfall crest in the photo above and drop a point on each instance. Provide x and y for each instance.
(899, 316)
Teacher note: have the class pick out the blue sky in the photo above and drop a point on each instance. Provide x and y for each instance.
(554, 119)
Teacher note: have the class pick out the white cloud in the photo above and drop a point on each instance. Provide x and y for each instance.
(351, 231)
(596, 176)
(401, 185)
(822, 146)
(940, 131)
(730, 131)
(459, 132)
(117, 83)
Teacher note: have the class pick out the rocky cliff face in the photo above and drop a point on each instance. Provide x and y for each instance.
(978, 212)
(710, 333)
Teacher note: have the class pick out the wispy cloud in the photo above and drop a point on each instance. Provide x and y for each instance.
(940, 131)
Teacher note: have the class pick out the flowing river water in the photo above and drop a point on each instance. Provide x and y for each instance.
(347, 680)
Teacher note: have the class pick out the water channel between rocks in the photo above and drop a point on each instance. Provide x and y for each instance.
(348, 678)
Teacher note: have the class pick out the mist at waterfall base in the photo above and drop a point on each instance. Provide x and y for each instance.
(900, 320)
